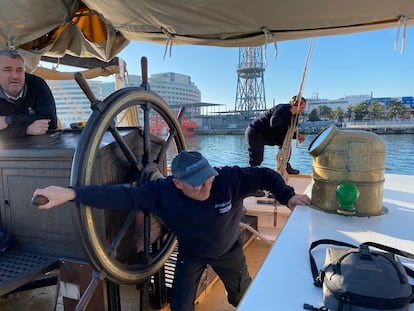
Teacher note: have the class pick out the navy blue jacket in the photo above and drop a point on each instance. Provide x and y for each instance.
(37, 103)
(274, 123)
(203, 228)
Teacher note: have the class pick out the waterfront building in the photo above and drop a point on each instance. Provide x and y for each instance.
(175, 88)
(352, 100)
(333, 104)
(343, 103)
(178, 90)
(405, 100)
(73, 106)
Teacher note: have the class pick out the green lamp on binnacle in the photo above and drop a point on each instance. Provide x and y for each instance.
(347, 194)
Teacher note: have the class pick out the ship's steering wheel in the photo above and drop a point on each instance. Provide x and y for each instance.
(101, 252)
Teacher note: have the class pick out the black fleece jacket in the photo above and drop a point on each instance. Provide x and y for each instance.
(203, 228)
(37, 103)
(274, 123)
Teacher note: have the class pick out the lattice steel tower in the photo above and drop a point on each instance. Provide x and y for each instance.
(250, 94)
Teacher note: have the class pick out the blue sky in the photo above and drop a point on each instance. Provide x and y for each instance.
(340, 65)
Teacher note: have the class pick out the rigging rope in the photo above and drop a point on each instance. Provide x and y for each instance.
(169, 43)
(283, 155)
(268, 37)
(402, 22)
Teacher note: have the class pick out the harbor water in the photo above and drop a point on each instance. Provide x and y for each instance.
(223, 150)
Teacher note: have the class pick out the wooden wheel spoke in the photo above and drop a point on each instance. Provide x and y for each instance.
(104, 252)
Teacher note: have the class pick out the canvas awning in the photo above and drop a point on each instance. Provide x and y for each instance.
(102, 28)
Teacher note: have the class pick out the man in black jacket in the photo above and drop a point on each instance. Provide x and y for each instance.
(270, 129)
(203, 206)
(27, 106)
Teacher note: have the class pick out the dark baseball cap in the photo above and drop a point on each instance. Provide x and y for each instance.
(192, 168)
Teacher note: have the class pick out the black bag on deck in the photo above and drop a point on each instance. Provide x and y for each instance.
(361, 278)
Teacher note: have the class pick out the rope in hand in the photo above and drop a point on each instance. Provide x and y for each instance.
(283, 155)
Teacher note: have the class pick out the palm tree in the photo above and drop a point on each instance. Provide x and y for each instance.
(314, 115)
(349, 112)
(338, 114)
(325, 111)
(396, 110)
(376, 110)
(361, 110)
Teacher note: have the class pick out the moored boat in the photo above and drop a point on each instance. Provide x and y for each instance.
(160, 127)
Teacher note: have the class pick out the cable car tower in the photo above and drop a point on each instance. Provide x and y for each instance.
(250, 94)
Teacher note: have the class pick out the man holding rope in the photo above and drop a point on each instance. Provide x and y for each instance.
(270, 129)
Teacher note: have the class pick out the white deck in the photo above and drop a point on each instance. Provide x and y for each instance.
(284, 281)
(270, 217)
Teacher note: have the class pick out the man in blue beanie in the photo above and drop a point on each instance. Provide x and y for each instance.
(203, 206)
